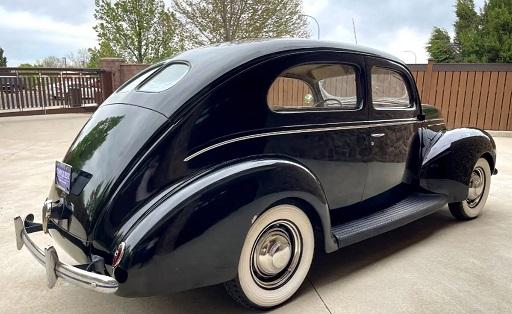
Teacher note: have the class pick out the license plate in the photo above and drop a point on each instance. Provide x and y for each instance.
(63, 176)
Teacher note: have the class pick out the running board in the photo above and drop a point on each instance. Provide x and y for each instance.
(414, 207)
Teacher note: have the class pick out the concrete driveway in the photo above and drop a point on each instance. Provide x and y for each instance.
(435, 265)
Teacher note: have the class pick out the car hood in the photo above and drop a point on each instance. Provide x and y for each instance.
(106, 148)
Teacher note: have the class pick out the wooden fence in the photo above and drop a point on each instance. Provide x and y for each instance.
(468, 95)
(287, 93)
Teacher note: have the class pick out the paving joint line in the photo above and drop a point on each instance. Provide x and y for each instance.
(318, 294)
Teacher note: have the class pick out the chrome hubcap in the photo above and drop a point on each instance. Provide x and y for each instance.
(276, 254)
(476, 187)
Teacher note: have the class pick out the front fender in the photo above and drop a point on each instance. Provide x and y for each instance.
(193, 236)
(449, 160)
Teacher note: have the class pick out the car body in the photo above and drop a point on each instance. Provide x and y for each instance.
(171, 173)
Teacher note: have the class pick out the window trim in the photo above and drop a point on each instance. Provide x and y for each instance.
(412, 102)
(359, 90)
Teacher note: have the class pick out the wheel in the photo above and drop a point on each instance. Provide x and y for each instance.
(479, 184)
(275, 258)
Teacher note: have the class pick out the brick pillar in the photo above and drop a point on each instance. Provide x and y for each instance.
(113, 65)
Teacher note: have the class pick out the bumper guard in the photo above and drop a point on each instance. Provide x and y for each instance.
(56, 269)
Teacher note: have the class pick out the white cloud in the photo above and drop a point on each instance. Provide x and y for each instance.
(78, 35)
(398, 42)
(404, 43)
(313, 7)
(344, 32)
(393, 26)
(27, 37)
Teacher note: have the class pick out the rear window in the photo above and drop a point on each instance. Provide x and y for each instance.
(166, 78)
(137, 80)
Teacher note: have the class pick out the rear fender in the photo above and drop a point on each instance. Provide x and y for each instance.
(193, 237)
(449, 159)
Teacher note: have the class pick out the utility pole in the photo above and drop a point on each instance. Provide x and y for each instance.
(354, 28)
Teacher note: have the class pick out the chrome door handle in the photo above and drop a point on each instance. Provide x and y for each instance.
(378, 134)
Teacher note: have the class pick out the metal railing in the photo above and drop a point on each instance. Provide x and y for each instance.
(41, 88)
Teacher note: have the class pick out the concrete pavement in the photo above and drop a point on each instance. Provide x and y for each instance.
(433, 265)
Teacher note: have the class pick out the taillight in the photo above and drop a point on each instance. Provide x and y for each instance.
(118, 254)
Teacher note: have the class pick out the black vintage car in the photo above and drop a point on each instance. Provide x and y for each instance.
(235, 163)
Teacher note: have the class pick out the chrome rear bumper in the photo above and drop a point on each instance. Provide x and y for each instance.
(56, 269)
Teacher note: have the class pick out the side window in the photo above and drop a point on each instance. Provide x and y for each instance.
(315, 86)
(389, 90)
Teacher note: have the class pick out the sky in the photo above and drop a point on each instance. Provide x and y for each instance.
(33, 29)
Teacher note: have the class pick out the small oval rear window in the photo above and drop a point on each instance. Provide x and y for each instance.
(137, 80)
(166, 78)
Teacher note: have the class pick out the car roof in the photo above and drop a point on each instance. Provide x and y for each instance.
(207, 64)
(232, 54)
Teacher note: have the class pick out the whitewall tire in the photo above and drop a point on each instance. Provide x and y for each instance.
(479, 185)
(275, 258)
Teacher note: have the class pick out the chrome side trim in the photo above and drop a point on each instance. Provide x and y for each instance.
(56, 269)
(358, 122)
(436, 124)
(298, 131)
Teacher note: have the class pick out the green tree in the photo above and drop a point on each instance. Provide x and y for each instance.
(496, 32)
(104, 50)
(466, 31)
(3, 60)
(479, 37)
(141, 31)
(440, 46)
(25, 65)
(214, 21)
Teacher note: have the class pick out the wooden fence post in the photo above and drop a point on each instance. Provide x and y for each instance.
(425, 93)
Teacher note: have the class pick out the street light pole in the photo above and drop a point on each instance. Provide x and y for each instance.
(414, 54)
(317, 24)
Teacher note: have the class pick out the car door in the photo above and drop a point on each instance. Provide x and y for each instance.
(319, 98)
(394, 108)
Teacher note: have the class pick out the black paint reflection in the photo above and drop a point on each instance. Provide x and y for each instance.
(83, 150)
(105, 147)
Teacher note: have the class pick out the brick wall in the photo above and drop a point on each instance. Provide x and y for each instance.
(120, 71)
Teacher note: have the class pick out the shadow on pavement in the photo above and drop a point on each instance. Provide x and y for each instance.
(335, 266)
(325, 269)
